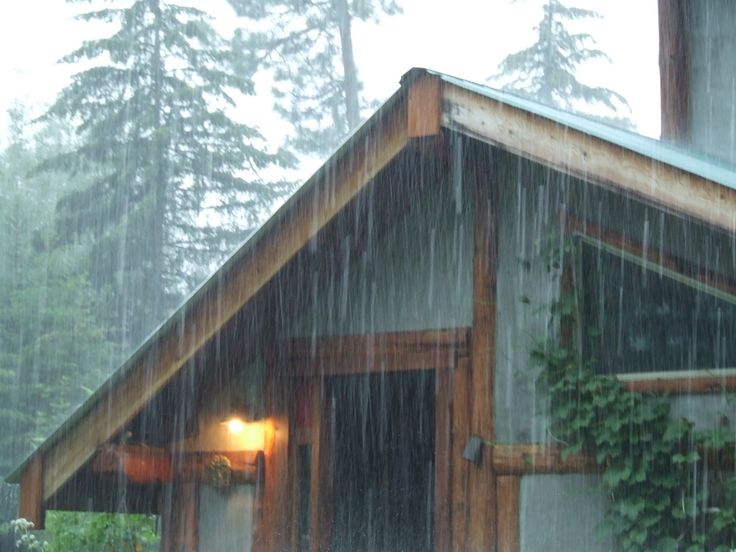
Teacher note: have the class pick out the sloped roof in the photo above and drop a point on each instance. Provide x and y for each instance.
(425, 103)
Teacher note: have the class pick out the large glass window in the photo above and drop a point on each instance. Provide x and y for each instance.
(641, 317)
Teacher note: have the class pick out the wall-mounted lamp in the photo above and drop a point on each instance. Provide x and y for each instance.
(246, 435)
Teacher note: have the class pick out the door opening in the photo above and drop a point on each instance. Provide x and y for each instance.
(384, 444)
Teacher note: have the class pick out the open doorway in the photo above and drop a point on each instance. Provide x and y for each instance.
(384, 444)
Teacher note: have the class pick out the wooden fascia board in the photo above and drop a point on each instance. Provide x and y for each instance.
(587, 157)
(353, 167)
(424, 106)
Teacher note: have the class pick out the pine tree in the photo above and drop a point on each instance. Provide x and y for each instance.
(52, 350)
(546, 70)
(308, 47)
(177, 179)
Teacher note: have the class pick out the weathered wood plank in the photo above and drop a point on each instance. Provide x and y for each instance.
(481, 478)
(459, 467)
(395, 351)
(320, 504)
(30, 505)
(589, 158)
(181, 519)
(538, 458)
(442, 459)
(424, 112)
(507, 495)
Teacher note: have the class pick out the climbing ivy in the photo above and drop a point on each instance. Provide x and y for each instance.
(670, 486)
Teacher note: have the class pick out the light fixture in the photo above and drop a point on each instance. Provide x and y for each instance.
(246, 435)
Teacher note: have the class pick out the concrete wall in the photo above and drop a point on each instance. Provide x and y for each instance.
(712, 41)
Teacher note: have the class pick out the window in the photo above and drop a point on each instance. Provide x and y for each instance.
(640, 317)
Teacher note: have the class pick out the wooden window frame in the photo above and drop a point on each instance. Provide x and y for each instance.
(701, 381)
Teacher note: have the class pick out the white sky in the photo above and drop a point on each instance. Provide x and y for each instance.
(465, 38)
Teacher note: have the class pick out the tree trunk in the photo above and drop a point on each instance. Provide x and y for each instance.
(350, 83)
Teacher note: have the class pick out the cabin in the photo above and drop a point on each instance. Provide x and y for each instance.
(358, 375)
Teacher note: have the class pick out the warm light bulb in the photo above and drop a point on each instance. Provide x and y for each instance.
(235, 426)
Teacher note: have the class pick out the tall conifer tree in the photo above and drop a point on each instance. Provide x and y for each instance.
(546, 71)
(308, 46)
(177, 182)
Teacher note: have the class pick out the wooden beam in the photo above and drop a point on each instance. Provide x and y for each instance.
(181, 519)
(589, 158)
(459, 467)
(674, 70)
(507, 496)
(680, 383)
(395, 351)
(31, 504)
(538, 458)
(320, 500)
(482, 480)
(325, 195)
(442, 460)
(424, 112)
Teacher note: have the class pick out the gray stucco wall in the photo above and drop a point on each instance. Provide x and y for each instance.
(562, 513)
(527, 228)
(226, 518)
(713, 77)
(417, 276)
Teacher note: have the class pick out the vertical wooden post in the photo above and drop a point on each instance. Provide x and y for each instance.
(674, 71)
(273, 531)
(320, 504)
(482, 480)
(459, 467)
(507, 495)
(30, 506)
(442, 456)
(181, 516)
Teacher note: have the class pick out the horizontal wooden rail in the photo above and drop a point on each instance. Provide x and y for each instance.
(538, 458)
(395, 351)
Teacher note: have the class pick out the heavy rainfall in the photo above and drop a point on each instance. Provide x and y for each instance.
(368, 275)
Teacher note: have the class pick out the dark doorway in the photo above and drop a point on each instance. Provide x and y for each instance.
(383, 491)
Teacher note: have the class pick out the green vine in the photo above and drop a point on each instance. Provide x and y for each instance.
(670, 487)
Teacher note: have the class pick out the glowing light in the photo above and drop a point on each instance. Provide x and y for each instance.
(246, 435)
(235, 426)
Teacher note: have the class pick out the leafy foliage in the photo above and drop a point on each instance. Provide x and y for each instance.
(308, 48)
(101, 532)
(546, 70)
(651, 462)
(176, 179)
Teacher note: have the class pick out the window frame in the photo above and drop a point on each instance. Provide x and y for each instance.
(698, 277)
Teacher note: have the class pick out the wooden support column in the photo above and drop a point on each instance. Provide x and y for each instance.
(507, 495)
(459, 468)
(482, 479)
(320, 505)
(31, 493)
(273, 529)
(442, 447)
(181, 518)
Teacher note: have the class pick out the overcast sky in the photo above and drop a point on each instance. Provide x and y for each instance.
(465, 38)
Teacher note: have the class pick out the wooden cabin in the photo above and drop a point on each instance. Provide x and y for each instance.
(358, 375)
